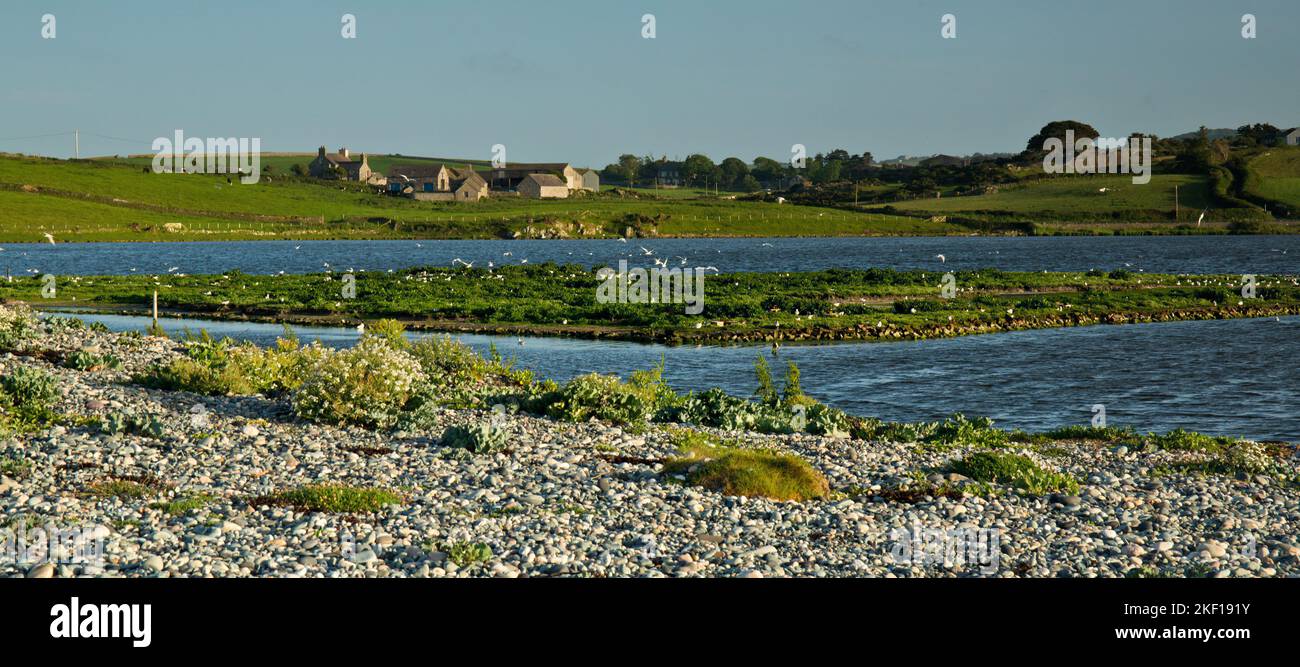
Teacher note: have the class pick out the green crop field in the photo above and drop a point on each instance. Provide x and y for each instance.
(108, 200)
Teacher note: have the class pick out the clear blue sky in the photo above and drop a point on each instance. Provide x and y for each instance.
(572, 80)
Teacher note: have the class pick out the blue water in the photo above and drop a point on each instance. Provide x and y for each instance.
(1230, 377)
(1170, 254)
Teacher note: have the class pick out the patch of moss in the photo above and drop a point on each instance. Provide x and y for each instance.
(186, 504)
(745, 472)
(120, 488)
(16, 468)
(338, 498)
(1016, 470)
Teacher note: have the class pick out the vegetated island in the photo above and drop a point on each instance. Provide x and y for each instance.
(561, 300)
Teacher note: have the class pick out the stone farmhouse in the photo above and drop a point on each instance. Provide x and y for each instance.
(343, 165)
(543, 186)
(1293, 136)
(440, 183)
(669, 174)
(549, 180)
(445, 183)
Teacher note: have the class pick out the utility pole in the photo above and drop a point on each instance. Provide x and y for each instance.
(1175, 203)
(76, 140)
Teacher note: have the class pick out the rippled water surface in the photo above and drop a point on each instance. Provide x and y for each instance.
(1233, 377)
(1169, 254)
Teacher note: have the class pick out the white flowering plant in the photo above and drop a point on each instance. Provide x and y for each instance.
(367, 385)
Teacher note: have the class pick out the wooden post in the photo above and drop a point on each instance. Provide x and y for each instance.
(1175, 203)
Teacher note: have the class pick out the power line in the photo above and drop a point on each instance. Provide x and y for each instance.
(131, 141)
(39, 136)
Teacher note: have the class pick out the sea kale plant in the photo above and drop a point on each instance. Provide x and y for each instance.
(27, 397)
(483, 438)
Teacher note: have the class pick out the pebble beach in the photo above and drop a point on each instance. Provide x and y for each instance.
(585, 499)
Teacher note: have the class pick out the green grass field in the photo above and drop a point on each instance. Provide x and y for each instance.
(108, 200)
(1079, 197)
(1278, 171)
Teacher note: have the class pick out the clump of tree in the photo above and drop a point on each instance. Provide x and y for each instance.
(1058, 129)
(1258, 134)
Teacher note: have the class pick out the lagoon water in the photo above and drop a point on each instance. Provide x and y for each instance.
(1167, 254)
(1231, 377)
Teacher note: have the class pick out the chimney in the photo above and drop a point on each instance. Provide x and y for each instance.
(322, 151)
(344, 152)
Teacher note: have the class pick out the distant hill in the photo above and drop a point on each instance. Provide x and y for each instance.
(1216, 133)
(914, 160)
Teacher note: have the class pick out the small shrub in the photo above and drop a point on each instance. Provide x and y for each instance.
(792, 393)
(222, 367)
(390, 331)
(1015, 470)
(336, 498)
(766, 393)
(464, 554)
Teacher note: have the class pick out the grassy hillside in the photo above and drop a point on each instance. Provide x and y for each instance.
(1071, 196)
(109, 200)
(282, 163)
(1277, 176)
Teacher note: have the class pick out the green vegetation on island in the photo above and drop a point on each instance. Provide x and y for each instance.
(550, 299)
